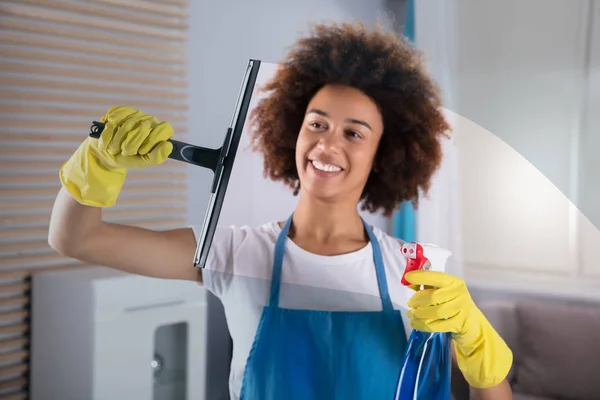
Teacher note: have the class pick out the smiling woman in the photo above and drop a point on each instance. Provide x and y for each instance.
(314, 303)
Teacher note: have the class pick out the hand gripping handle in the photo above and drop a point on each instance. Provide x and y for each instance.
(196, 155)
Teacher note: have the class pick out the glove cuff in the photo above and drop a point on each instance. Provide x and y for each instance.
(483, 356)
(88, 181)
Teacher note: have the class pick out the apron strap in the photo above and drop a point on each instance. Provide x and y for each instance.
(278, 265)
(380, 270)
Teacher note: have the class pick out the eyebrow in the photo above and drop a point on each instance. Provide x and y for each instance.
(351, 120)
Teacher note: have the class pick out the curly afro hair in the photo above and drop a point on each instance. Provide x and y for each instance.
(384, 67)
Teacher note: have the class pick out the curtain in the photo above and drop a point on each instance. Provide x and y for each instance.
(404, 225)
(437, 219)
(431, 26)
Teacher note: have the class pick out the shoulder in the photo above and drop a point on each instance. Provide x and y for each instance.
(240, 231)
(229, 241)
(237, 251)
(391, 251)
(388, 243)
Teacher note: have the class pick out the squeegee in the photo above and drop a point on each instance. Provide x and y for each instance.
(220, 160)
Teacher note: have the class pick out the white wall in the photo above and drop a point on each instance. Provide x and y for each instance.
(527, 142)
(590, 139)
(520, 66)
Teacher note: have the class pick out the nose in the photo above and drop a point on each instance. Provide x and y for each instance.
(330, 142)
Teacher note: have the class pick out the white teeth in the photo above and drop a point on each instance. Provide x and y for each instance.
(325, 167)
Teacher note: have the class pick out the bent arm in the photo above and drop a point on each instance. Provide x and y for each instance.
(501, 391)
(77, 231)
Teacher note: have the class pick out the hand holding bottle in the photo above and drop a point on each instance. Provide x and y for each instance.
(483, 356)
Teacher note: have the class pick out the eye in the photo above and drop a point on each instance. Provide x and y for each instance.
(353, 134)
(316, 125)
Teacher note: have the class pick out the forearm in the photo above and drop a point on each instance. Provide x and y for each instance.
(502, 391)
(71, 223)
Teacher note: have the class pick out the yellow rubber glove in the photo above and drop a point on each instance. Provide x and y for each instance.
(483, 357)
(95, 173)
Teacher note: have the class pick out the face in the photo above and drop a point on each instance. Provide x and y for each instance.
(337, 143)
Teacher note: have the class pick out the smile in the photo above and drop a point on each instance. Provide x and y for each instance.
(325, 167)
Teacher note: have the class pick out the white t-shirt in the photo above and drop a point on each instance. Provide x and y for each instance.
(238, 272)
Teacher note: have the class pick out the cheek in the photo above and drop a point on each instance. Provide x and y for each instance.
(300, 141)
(301, 149)
(362, 160)
(303, 144)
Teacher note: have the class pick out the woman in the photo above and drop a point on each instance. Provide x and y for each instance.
(352, 118)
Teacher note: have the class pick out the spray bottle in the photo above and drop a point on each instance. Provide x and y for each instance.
(426, 370)
(423, 256)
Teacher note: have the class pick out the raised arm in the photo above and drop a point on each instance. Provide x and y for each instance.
(92, 179)
(77, 231)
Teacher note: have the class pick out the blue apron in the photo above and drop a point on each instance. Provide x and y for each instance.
(313, 355)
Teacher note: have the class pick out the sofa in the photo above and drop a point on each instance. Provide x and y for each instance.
(555, 344)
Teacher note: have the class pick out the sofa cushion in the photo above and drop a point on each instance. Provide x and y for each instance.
(558, 351)
(521, 396)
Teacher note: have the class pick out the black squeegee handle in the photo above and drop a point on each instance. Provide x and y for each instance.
(196, 155)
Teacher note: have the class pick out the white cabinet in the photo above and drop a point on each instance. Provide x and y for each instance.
(100, 334)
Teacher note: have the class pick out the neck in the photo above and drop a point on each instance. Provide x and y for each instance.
(327, 228)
